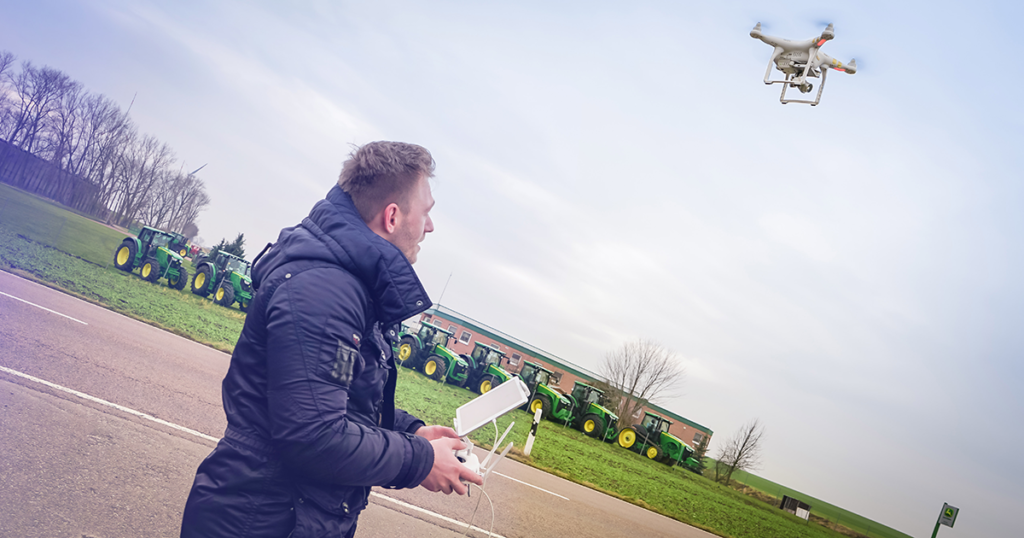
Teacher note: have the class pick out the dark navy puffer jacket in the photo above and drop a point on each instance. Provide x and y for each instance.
(309, 395)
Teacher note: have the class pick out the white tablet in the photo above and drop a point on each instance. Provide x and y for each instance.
(490, 405)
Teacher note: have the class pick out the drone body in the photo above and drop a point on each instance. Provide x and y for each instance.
(801, 60)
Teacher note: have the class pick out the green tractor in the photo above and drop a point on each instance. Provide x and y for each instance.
(226, 276)
(427, 350)
(582, 409)
(179, 244)
(651, 438)
(485, 371)
(153, 252)
(542, 396)
(413, 348)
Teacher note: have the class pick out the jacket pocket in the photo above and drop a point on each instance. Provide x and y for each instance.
(342, 368)
(327, 511)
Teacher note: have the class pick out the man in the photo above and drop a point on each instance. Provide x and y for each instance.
(309, 395)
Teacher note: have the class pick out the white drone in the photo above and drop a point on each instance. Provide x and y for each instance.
(799, 60)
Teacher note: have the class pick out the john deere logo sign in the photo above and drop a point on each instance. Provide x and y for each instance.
(948, 516)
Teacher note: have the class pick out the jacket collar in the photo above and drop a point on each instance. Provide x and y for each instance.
(393, 284)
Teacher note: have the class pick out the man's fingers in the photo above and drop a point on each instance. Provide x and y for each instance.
(447, 432)
(466, 474)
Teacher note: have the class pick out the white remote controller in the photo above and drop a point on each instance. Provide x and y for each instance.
(468, 458)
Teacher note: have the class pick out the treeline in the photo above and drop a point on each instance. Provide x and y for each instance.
(98, 161)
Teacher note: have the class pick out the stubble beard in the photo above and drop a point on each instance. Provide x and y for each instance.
(408, 242)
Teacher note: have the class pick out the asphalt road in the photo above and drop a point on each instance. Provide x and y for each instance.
(72, 465)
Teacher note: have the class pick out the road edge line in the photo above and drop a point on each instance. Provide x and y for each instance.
(100, 401)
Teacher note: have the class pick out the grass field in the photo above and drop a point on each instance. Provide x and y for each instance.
(819, 507)
(64, 250)
(50, 224)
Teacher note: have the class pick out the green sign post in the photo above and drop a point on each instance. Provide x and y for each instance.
(946, 517)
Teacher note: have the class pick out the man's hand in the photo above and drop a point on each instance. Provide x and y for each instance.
(448, 470)
(432, 433)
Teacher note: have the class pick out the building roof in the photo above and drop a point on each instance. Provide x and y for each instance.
(550, 358)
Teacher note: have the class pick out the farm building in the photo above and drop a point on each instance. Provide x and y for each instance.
(467, 331)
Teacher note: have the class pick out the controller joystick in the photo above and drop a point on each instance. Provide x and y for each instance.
(468, 458)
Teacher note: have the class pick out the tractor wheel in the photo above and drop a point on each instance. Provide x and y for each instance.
(124, 257)
(243, 305)
(408, 350)
(593, 426)
(541, 402)
(183, 252)
(435, 367)
(654, 452)
(179, 282)
(150, 270)
(487, 383)
(626, 437)
(225, 295)
(606, 437)
(201, 282)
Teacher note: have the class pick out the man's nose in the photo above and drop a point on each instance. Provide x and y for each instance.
(429, 225)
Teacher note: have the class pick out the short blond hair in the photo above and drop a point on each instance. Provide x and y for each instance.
(381, 173)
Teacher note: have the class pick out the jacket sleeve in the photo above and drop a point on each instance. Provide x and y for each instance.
(313, 367)
(404, 422)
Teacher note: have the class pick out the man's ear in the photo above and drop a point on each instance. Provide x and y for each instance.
(391, 218)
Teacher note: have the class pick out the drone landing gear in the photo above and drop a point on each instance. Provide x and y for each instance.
(788, 82)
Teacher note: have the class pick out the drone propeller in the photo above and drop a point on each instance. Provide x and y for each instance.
(849, 68)
(827, 34)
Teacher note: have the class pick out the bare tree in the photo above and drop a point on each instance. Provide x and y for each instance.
(37, 95)
(741, 453)
(6, 61)
(113, 134)
(61, 129)
(642, 372)
(138, 169)
(174, 201)
(6, 105)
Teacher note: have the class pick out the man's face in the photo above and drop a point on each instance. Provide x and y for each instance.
(415, 223)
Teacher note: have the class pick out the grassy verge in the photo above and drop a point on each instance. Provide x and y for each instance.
(47, 223)
(822, 512)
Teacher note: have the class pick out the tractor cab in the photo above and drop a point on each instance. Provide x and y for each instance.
(237, 265)
(486, 355)
(485, 370)
(654, 423)
(585, 394)
(151, 239)
(533, 375)
(434, 335)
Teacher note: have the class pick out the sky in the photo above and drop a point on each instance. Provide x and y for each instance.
(606, 171)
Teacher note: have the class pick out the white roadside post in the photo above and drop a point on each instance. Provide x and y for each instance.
(533, 432)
